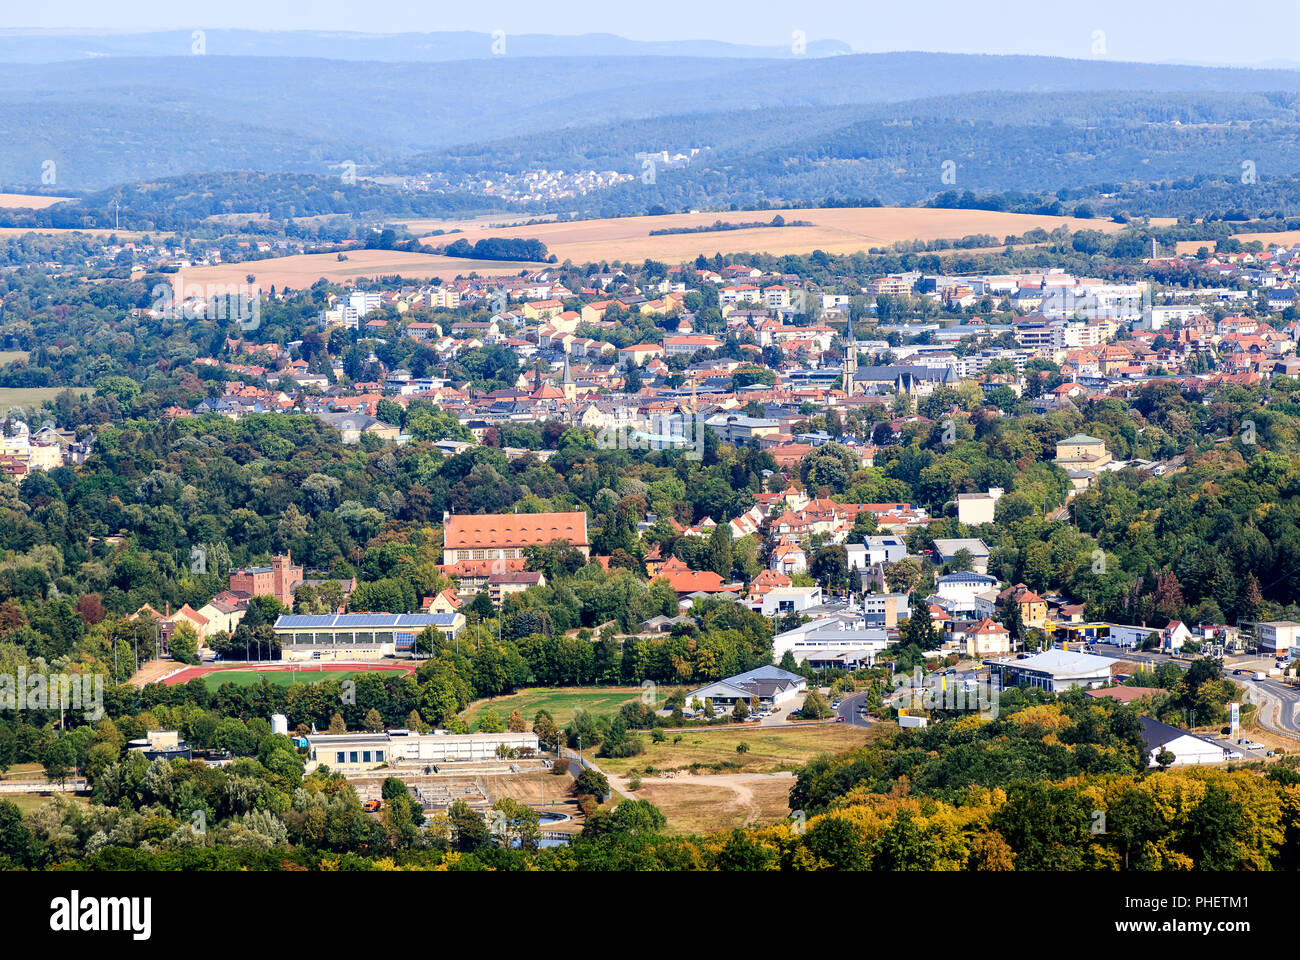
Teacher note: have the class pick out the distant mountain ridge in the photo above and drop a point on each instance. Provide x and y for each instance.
(776, 130)
(37, 46)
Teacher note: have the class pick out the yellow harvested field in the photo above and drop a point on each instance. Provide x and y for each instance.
(838, 230)
(28, 201)
(1287, 237)
(301, 271)
(1280, 236)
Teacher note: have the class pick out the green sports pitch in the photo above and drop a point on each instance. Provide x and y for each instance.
(284, 678)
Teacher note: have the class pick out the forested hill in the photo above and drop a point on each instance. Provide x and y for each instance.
(160, 116)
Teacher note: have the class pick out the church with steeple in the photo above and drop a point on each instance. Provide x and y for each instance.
(850, 358)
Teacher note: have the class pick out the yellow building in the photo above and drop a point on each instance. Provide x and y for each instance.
(1082, 452)
(1033, 609)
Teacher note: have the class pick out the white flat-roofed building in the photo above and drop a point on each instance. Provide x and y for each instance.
(1276, 637)
(961, 589)
(866, 642)
(362, 635)
(1186, 748)
(974, 509)
(1053, 671)
(354, 752)
(782, 600)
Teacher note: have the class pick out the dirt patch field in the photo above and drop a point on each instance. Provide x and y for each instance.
(301, 271)
(838, 230)
(702, 804)
(769, 749)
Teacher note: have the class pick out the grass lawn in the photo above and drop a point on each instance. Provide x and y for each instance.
(560, 702)
(27, 802)
(9, 356)
(770, 748)
(283, 678)
(24, 771)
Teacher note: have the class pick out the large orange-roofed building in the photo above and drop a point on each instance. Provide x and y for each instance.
(505, 536)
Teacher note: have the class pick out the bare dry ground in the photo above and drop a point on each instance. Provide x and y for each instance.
(837, 230)
(767, 749)
(702, 804)
(301, 271)
(28, 201)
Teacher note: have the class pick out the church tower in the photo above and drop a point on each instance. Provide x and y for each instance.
(850, 357)
(569, 387)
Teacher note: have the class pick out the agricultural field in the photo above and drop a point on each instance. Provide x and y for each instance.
(12, 356)
(560, 702)
(770, 749)
(302, 270)
(27, 201)
(837, 230)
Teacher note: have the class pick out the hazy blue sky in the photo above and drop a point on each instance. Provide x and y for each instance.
(1193, 31)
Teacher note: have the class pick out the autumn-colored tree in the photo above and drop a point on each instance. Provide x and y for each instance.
(90, 608)
(337, 725)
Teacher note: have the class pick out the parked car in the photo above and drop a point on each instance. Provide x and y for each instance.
(839, 719)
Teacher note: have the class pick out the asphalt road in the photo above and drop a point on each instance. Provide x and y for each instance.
(1274, 690)
(1270, 691)
(849, 707)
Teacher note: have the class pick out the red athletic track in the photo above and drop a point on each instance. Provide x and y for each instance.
(193, 673)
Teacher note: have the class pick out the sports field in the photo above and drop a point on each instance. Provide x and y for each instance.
(281, 674)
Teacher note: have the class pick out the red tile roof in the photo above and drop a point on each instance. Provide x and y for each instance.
(514, 530)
